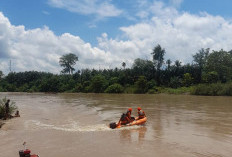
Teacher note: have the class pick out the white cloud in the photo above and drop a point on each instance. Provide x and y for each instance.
(45, 12)
(40, 49)
(101, 8)
(176, 3)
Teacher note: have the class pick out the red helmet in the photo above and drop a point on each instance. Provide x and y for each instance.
(130, 109)
(139, 108)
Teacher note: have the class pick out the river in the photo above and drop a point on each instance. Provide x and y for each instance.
(66, 125)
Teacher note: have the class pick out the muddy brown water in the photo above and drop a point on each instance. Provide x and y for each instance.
(75, 125)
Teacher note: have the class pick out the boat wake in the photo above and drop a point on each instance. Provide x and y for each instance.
(71, 127)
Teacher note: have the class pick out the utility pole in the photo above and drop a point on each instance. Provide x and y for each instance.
(10, 65)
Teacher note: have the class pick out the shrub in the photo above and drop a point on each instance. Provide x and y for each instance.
(113, 80)
(175, 82)
(12, 106)
(215, 89)
(151, 84)
(155, 90)
(187, 79)
(98, 84)
(129, 89)
(78, 88)
(115, 88)
(141, 85)
(210, 77)
(181, 90)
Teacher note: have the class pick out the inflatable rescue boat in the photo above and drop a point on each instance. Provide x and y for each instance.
(26, 152)
(137, 121)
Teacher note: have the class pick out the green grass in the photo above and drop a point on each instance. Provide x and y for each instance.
(181, 90)
(215, 89)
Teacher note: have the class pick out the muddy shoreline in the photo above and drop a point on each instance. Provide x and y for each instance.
(1, 123)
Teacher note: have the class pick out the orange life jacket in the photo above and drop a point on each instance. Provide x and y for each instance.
(141, 114)
(125, 119)
(128, 114)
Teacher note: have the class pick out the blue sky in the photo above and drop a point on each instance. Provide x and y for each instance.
(105, 33)
(36, 14)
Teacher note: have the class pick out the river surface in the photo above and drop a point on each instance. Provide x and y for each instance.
(76, 125)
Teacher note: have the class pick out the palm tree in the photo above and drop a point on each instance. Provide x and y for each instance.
(169, 62)
(178, 63)
(124, 64)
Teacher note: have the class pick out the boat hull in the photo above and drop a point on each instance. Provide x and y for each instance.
(135, 122)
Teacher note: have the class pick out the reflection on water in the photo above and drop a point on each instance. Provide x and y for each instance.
(77, 125)
(134, 134)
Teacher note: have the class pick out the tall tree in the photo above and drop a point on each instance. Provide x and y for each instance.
(158, 60)
(221, 63)
(142, 67)
(200, 59)
(1, 74)
(169, 62)
(177, 63)
(158, 56)
(123, 65)
(67, 61)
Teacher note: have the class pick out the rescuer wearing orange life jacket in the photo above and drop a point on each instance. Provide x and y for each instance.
(126, 118)
(141, 113)
(128, 113)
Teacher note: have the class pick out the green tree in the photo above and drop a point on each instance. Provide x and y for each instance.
(113, 80)
(114, 88)
(158, 56)
(123, 65)
(141, 85)
(51, 84)
(142, 67)
(200, 59)
(175, 82)
(67, 61)
(210, 77)
(187, 79)
(1, 74)
(98, 84)
(220, 62)
(177, 63)
(158, 60)
(169, 62)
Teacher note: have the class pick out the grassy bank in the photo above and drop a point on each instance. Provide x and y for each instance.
(12, 107)
(216, 89)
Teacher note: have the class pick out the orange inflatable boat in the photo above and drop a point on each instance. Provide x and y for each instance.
(137, 121)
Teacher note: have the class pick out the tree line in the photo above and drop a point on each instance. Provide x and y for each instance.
(208, 74)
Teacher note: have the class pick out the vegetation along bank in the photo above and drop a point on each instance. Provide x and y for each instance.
(208, 74)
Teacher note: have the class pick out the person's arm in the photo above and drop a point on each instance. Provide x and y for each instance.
(144, 114)
(119, 122)
(128, 119)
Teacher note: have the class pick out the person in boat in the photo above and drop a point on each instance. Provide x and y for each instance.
(141, 113)
(126, 118)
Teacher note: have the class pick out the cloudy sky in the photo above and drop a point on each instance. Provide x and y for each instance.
(34, 34)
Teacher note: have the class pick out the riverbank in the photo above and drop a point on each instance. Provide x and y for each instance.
(1, 123)
(215, 89)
